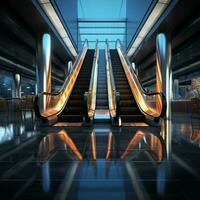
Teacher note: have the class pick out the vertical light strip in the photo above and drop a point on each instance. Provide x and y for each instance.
(53, 17)
(150, 22)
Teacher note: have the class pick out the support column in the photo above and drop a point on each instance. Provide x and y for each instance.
(17, 86)
(69, 68)
(43, 70)
(176, 89)
(164, 84)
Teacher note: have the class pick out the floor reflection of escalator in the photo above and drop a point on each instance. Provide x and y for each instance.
(129, 111)
(73, 111)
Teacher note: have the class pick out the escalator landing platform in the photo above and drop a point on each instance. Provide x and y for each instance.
(102, 116)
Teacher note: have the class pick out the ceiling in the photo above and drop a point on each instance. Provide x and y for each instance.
(103, 19)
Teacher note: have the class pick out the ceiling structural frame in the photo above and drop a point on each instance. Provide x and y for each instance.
(48, 7)
(152, 18)
(102, 27)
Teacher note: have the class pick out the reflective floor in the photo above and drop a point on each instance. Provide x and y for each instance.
(100, 162)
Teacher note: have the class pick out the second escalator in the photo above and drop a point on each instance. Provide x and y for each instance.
(74, 111)
(129, 111)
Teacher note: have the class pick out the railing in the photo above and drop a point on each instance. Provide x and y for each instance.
(151, 104)
(113, 95)
(90, 96)
(57, 101)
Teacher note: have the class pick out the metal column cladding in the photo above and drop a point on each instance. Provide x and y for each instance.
(43, 69)
(17, 79)
(163, 59)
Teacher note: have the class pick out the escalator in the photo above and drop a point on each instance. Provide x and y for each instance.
(73, 111)
(75, 101)
(129, 111)
(128, 100)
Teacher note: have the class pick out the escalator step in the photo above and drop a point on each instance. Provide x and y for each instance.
(132, 118)
(75, 103)
(127, 103)
(126, 97)
(76, 97)
(125, 91)
(105, 106)
(70, 118)
(129, 110)
(102, 96)
(103, 102)
(74, 110)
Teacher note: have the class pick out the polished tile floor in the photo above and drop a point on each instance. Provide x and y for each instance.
(100, 162)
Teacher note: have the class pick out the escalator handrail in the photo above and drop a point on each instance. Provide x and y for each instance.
(141, 89)
(119, 44)
(111, 84)
(91, 94)
(80, 58)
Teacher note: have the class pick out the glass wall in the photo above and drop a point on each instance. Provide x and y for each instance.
(68, 9)
(7, 85)
(101, 19)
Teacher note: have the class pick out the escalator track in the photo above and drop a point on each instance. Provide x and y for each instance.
(128, 111)
(74, 109)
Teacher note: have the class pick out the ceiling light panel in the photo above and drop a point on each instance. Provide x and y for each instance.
(53, 17)
(150, 22)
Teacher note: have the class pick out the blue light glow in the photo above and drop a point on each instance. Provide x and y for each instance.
(101, 12)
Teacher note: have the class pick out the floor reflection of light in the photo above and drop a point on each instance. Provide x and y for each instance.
(6, 133)
(22, 129)
(46, 177)
(161, 179)
(166, 133)
(93, 145)
(109, 146)
(30, 134)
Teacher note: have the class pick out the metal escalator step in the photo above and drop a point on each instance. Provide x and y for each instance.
(76, 96)
(75, 103)
(102, 91)
(103, 102)
(129, 110)
(127, 103)
(78, 92)
(82, 85)
(125, 91)
(102, 96)
(102, 107)
(104, 87)
(73, 110)
(132, 118)
(70, 118)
